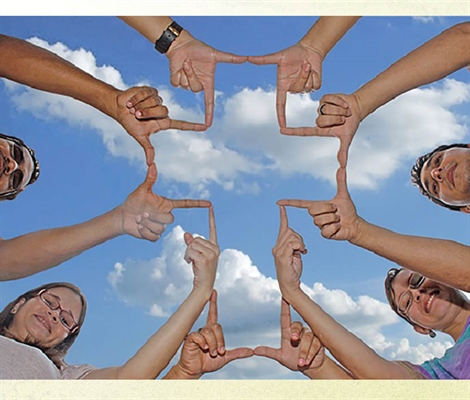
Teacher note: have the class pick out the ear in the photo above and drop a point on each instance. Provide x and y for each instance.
(17, 306)
(420, 329)
(466, 209)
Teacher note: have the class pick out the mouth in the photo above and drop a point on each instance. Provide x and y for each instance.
(432, 295)
(450, 174)
(43, 322)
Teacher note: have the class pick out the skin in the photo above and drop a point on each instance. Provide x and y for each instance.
(192, 63)
(8, 165)
(446, 176)
(359, 359)
(300, 66)
(143, 215)
(35, 321)
(434, 60)
(445, 261)
(432, 305)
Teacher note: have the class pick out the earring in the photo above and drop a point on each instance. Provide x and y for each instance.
(432, 334)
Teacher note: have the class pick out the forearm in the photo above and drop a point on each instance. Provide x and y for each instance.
(326, 32)
(445, 261)
(328, 370)
(41, 69)
(34, 252)
(434, 60)
(154, 356)
(347, 348)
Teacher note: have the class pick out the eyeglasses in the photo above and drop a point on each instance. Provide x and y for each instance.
(406, 299)
(53, 302)
(17, 175)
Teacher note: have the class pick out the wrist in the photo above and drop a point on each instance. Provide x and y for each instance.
(109, 102)
(183, 38)
(290, 293)
(358, 238)
(313, 46)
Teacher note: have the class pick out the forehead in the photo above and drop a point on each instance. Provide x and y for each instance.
(69, 300)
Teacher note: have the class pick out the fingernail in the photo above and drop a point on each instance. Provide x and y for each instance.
(222, 349)
(129, 104)
(206, 346)
(138, 219)
(138, 113)
(301, 361)
(214, 353)
(146, 215)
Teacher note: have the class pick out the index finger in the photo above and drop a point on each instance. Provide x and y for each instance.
(272, 58)
(222, 56)
(284, 223)
(303, 131)
(281, 96)
(187, 203)
(341, 182)
(294, 203)
(186, 126)
(209, 103)
(212, 316)
(286, 319)
(212, 229)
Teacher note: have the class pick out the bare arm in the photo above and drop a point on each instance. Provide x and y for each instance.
(143, 215)
(155, 355)
(445, 261)
(434, 60)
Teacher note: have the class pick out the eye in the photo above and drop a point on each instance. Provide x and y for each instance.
(437, 160)
(16, 179)
(17, 154)
(434, 188)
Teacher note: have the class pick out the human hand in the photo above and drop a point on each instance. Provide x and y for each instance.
(204, 255)
(192, 66)
(300, 349)
(288, 255)
(140, 112)
(337, 218)
(204, 350)
(338, 115)
(299, 69)
(145, 214)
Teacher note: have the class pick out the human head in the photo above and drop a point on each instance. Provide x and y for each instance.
(443, 175)
(57, 352)
(18, 167)
(432, 305)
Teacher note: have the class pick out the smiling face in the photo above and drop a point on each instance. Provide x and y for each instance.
(446, 176)
(430, 305)
(36, 322)
(16, 166)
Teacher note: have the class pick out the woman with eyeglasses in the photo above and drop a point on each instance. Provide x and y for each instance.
(426, 304)
(39, 326)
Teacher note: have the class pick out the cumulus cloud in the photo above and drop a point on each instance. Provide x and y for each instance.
(424, 20)
(249, 306)
(244, 143)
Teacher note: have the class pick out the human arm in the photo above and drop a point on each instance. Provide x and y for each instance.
(139, 109)
(204, 351)
(300, 350)
(300, 66)
(143, 215)
(154, 356)
(359, 359)
(442, 260)
(192, 62)
(434, 60)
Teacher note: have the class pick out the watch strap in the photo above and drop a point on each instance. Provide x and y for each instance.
(164, 42)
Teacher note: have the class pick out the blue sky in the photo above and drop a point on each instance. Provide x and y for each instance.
(82, 177)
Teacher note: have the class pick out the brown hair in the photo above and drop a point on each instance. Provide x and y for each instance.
(57, 353)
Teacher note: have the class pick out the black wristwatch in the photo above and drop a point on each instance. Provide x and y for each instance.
(171, 33)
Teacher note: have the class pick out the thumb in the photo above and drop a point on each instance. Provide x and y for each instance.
(151, 177)
(148, 148)
(265, 351)
(188, 238)
(343, 151)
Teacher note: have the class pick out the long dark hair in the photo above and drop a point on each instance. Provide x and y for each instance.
(57, 353)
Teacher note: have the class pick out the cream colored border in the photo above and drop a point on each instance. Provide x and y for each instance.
(259, 390)
(236, 7)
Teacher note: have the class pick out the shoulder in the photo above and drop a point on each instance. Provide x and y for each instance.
(78, 371)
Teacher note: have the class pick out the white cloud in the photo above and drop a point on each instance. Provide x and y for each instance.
(249, 306)
(244, 144)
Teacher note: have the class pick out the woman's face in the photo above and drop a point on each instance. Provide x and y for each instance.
(35, 321)
(432, 305)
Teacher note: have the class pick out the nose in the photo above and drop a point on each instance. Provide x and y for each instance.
(54, 315)
(436, 173)
(10, 165)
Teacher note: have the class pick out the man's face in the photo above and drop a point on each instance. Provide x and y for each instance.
(16, 166)
(446, 176)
